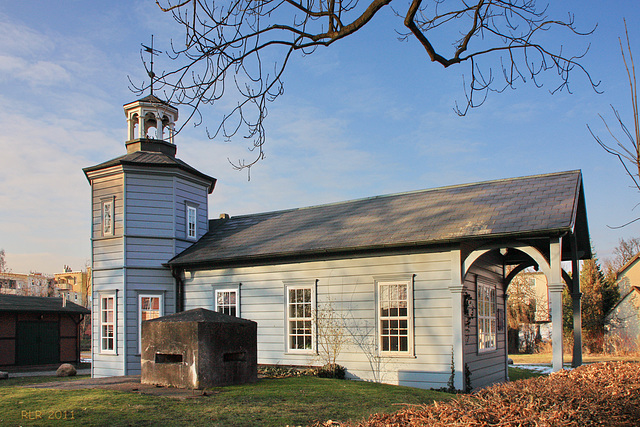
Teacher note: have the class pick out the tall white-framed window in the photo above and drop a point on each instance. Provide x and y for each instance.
(150, 306)
(192, 221)
(108, 316)
(395, 316)
(301, 302)
(227, 301)
(487, 336)
(108, 216)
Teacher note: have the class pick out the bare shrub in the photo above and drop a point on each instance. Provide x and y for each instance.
(331, 336)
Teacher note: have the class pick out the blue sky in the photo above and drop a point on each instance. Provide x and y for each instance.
(369, 115)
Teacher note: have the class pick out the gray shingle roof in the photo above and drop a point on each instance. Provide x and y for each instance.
(39, 304)
(517, 207)
(150, 158)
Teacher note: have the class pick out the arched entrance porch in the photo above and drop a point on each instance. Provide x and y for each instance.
(545, 255)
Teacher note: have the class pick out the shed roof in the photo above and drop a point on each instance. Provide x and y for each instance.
(199, 315)
(39, 304)
(540, 205)
(154, 159)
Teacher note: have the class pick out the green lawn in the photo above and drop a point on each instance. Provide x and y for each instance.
(516, 374)
(270, 402)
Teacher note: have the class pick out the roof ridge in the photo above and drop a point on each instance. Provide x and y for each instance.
(403, 193)
(627, 264)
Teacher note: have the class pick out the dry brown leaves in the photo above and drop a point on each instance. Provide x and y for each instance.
(603, 394)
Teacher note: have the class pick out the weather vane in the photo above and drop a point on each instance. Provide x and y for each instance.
(151, 52)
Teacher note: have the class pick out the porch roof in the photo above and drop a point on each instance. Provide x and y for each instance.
(528, 207)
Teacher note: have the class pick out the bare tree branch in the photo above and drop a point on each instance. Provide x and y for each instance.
(221, 59)
(627, 153)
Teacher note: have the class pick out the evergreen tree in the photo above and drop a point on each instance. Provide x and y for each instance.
(591, 285)
(610, 294)
(567, 311)
(599, 295)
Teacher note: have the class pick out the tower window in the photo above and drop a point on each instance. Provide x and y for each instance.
(108, 212)
(107, 324)
(192, 217)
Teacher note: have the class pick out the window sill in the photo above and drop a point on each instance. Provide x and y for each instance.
(299, 352)
(397, 355)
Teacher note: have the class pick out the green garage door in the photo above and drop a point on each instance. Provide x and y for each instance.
(37, 343)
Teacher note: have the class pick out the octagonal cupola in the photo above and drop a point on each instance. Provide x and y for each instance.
(151, 125)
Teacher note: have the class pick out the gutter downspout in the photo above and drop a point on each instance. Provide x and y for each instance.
(78, 337)
(176, 272)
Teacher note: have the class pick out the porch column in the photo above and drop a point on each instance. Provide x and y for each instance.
(130, 129)
(555, 292)
(577, 329)
(506, 335)
(457, 319)
(576, 295)
(142, 132)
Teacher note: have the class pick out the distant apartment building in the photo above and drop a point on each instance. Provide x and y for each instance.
(538, 283)
(534, 292)
(32, 284)
(622, 323)
(75, 285)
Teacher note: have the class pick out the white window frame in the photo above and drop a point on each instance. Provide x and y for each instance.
(160, 296)
(307, 317)
(114, 324)
(235, 305)
(487, 323)
(382, 284)
(191, 233)
(108, 210)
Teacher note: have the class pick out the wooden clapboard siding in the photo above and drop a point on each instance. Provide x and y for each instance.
(108, 253)
(348, 285)
(486, 367)
(192, 192)
(106, 187)
(108, 262)
(107, 282)
(147, 281)
(150, 210)
(148, 251)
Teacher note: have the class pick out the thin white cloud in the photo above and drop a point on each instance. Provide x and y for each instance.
(19, 39)
(37, 73)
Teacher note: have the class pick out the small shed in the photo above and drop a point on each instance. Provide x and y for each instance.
(39, 330)
(197, 349)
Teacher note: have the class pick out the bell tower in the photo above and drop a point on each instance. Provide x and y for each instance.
(151, 125)
(147, 206)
